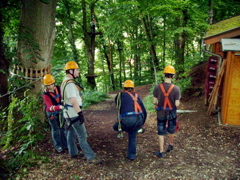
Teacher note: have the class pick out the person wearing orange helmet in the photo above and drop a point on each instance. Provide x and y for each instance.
(71, 92)
(131, 116)
(52, 100)
(166, 98)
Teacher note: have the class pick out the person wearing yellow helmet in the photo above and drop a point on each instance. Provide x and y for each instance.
(73, 114)
(131, 116)
(166, 98)
(52, 100)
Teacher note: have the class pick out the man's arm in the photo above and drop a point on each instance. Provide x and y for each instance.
(75, 104)
(155, 101)
(177, 103)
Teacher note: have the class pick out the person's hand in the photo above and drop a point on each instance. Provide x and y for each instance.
(81, 117)
(61, 107)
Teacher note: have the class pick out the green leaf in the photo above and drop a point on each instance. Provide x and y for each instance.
(27, 50)
(40, 58)
(29, 56)
(2, 71)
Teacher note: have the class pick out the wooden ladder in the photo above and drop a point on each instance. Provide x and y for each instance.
(214, 94)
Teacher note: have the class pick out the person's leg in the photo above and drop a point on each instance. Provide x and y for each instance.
(161, 143)
(171, 139)
(71, 142)
(55, 131)
(161, 133)
(80, 130)
(171, 129)
(132, 145)
(63, 137)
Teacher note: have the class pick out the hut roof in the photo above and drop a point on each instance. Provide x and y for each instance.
(224, 29)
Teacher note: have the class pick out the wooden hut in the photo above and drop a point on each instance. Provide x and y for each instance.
(222, 88)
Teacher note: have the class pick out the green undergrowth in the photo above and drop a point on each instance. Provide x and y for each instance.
(92, 97)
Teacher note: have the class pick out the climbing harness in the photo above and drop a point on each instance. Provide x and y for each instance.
(80, 88)
(137, 107)
(56, 100)
(65, 83)
(137, 110)
(167, 104)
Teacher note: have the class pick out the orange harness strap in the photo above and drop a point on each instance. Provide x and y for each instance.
(166, 94)
(55, 95)
(137, 107)
(71, 80)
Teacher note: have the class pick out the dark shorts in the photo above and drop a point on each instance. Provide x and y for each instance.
(166, 126)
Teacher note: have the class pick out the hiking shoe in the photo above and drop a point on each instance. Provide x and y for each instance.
(158, 154)
(59, 149)
(77, 156)
(170, 148)
(141, 130)
(130, 159)
(95, 161)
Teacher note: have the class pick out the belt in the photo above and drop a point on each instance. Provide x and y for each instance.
(129, 113)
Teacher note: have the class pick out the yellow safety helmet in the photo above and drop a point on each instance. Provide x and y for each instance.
(169, 70)
(48, 79)
(128, 84)
(71, 65)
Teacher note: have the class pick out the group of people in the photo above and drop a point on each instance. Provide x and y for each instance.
(64, 112)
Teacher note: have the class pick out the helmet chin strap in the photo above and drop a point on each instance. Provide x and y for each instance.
(73, 74)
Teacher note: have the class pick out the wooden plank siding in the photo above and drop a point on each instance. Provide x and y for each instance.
(230, 106)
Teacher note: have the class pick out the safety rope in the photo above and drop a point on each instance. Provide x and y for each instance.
(119, 103)
(28, 78)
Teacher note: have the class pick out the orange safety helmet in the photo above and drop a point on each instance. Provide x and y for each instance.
(71, 65)
(169, 70)
(128, 84)
(48, 79)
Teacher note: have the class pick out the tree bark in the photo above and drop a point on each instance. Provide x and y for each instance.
(4, 64)
(147, 27)
(89, 39)
(37, 35)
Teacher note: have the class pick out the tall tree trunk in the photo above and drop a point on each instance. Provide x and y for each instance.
(164, 44)
(4, 64)
(180, 43)
(149, 34)
(71, 35)
(110, 66)
(36, 41)
(37, 35)
(89, 39)
(119, 44)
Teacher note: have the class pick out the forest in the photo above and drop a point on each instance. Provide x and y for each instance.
(111, 40)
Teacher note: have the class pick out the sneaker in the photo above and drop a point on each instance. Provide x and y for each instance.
(59, 149)
(130, 159)
(170, 148)
(95, 161)
(161, 155)
(141, 130)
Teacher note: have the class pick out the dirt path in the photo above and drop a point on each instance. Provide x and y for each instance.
(203, 149)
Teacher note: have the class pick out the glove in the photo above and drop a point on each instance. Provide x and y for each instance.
(81, 117)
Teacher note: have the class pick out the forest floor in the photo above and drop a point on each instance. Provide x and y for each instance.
(203, 149)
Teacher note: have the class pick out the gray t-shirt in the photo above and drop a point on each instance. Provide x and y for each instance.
(173, 96)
